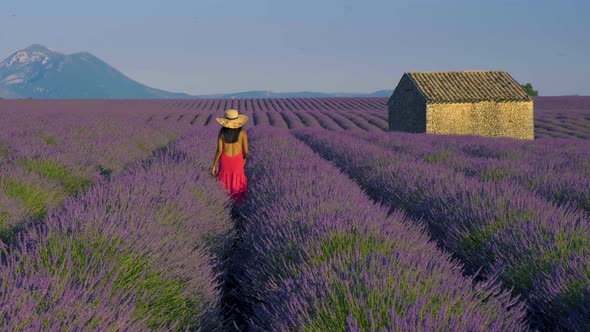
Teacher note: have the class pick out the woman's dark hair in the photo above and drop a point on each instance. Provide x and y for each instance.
(230, 135)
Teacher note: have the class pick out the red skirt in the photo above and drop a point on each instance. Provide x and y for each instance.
(232, 177)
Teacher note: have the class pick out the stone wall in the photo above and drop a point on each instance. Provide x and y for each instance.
(407, 109)
(488, 118)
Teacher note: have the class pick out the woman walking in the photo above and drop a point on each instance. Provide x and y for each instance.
(232, 152)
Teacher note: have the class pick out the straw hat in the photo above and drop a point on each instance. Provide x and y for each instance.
(232, 119)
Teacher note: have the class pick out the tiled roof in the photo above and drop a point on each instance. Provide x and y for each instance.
(468, 86)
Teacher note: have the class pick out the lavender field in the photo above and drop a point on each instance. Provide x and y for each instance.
(110, 220)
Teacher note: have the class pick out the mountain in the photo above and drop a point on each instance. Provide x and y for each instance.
(40, 73)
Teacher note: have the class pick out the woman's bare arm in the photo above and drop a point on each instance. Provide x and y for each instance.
(219, 149)
(245, 144)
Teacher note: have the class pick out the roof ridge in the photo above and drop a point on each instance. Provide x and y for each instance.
(457, 71)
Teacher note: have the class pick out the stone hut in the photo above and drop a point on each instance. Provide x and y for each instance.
(486, 103)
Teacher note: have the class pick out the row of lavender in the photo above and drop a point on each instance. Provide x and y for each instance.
(555, 117)
(141, 251)
(557, 169)
(562, 117)
(317, 254)
(534, 247)
(47, 155)
(289, 119)
(566, 117)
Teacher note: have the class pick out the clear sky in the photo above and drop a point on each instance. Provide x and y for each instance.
(222, 46)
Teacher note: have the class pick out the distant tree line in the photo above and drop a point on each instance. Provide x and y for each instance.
(529, 89)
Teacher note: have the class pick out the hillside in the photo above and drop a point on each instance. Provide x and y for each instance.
(40, 73)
